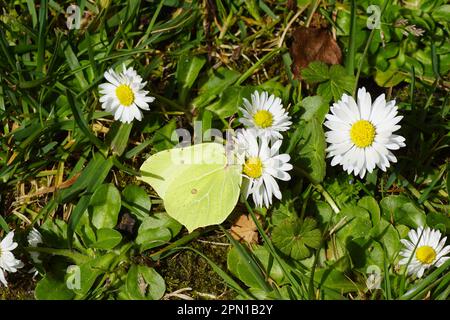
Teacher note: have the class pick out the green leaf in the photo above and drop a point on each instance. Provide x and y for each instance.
(389, 78)
(161, 220)
(4, 225)
(401, 210)
(76, 215)
(388, 235)
(314, 106)
(244, 271)
(188, 69)
(356, 223)
(435, 219)
(335, 280)
(334, 81)
(119, 135)
(51, 288)
(137, 200)
(90, 271)
(107, 239)
(90, 178)
(105, 206)
(448, 181)
(294, 237)
(341, 81)
(144, 283)
(215, 83)
(283, 210)
(269, 264)
(74, 64)
(54, 233)
(162, 139)
(81, 121)
(316, 71)
(322, 211)
(442, 13)
(312, 150)
(370, 204)
(230, 101)
(152, 238)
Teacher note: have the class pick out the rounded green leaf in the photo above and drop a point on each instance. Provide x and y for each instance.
(242, 269)
(283, 210)
(161, 220)
(105, 206)
(355, 223)
(90, 271)
(385, 233)
(371, 205)
(138, 201)
(275, 271)
(152, 238)
(144, 283)
(107, 239)
(294, 237)
(401, 210)
(51, 288)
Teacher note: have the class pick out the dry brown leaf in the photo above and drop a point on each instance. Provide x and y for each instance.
(244, 229)
(313, 44)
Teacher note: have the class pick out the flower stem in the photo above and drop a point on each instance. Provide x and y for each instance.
(319, 188)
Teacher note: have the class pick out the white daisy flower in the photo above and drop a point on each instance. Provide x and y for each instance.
(266, 115)
(34, 239)
(425, 249)
(123, 95)
(261, 166)
(8, 263)
(361, 134)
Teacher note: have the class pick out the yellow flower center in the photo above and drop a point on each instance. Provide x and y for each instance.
(362, 133)
(425, 254)
(125, 95)
(253, 167)
(263, 118)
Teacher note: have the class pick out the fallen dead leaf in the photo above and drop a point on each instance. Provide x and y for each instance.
(313, 44)
(244, 229)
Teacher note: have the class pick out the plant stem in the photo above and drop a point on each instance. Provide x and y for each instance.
(366, 48)
(253, 68)
(180, 242)
(319, 188)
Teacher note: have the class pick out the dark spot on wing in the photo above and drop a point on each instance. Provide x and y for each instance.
(194, 191)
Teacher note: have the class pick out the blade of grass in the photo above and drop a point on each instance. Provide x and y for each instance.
(81, 122)
(32, 10)
(41, 37)
(350, 57)
(75, 217)
(426, 192)
(387, 281)
(74, 65)
(260, 62)
(417, 289)
(3, 224)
